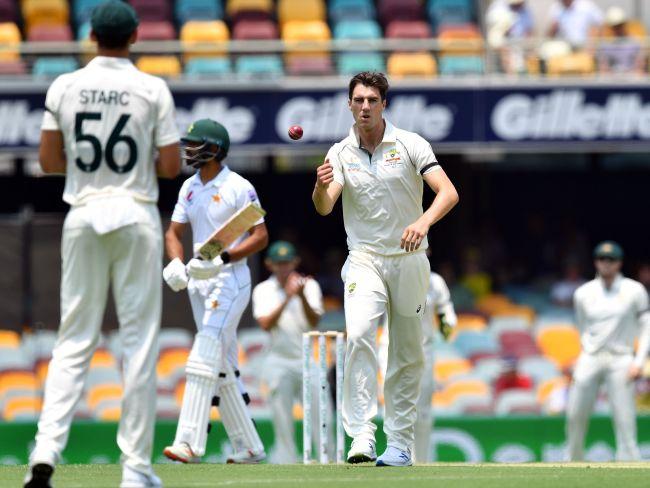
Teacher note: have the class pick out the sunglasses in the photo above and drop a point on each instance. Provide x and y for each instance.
(607, 259)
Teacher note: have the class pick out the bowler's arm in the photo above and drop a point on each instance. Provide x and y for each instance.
(446, 196)
(51, 153)
(327, 191)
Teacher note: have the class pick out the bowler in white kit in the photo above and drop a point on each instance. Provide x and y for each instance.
(101, 128)
(379, 169)
(611, 311)
(219, 291)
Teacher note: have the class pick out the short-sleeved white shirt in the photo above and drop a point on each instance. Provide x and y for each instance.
(609, 318)
(286, 337)
(112, 117)
(575, 21)
(382, 192)
(207, 206)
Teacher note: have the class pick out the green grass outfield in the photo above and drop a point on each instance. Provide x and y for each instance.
(445, 475)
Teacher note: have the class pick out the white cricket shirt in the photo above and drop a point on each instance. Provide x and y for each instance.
(575, 21)
(286, 336)
(207, 207)
(382, 192)
(112, 117)
(609, 318)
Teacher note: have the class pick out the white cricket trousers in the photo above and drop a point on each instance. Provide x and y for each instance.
(591, 370)
(396, 286)
(424, 422)
(129, 258)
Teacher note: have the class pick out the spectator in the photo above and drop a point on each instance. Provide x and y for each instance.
(620, 52)
(475, 278)
(522, 20)
(562, 291)
(574, 21)
(510, 378)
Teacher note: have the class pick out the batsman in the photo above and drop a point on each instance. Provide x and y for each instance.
(219, 291)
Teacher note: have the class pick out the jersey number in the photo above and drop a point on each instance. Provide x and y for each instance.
(113, 139)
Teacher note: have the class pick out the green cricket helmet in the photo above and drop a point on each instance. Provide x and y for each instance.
(200, 141)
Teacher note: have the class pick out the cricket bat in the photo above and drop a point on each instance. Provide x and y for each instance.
(234, 227)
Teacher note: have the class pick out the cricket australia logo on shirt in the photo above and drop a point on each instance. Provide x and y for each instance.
(356, 166)
(352, 287)
(392, 158)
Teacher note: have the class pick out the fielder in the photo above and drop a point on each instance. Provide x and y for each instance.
(611, 311)
(440, 306)
(379, 170)
(219, 291)
(286, 305)
(101, 127)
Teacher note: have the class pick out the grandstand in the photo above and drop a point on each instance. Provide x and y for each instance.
(548, 160)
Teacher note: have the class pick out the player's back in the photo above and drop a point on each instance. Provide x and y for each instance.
(112, 117)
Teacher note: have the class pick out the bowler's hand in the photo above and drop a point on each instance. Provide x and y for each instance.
(413, 236)
(324, 175)
(634, 373)
(175, 275)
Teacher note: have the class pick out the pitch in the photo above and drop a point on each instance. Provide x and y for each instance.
(317, 476)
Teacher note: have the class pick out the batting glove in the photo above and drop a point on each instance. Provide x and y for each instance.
(175, 275)
(200, 269)
(445, 328)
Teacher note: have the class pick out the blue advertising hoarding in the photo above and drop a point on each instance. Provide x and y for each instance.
(465, 115)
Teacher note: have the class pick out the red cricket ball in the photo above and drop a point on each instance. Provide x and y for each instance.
(295, 132)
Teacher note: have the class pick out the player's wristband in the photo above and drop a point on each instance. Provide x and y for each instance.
(225, 257)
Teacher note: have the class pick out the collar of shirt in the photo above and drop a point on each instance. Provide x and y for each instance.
(616, 284)
(111, 62)
(216, 181)
(389, 134)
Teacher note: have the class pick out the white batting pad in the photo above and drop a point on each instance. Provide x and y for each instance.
(235, 416)
(202, 375)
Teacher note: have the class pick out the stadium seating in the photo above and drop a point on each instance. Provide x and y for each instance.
(47, 33)
(578, 63)
(444, 369)
(50, 66)
(9, 41)
(249, 10)
(449, 12)
(186, 10)
(408, 29)
(269, 65)
(210, 33)
(469, 343)
(357, 29)
(159, 30)
(390, 10)
(512, 402)
(352, 63)
(8, 11)
(53, 12)
(255, 29)
(518, 344)
(82, 9)
(560, 343)
(167, 66)
(152, 10)
(351, 10)
(402, 65)
(538, 368)
(301, 10)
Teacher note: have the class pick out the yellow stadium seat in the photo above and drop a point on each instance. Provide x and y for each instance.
(110, 414)
(159, 65)
(546, 387)
(634, 28)
(560, 343)
(215, 414)
(297, 411)
(461, 41)
(444, 369)
(440, 399)
(411, 64)
(53, 12)
(9, 44)
(470, 322)
(236, 6)
(18, 380)
(290, 10)
(42, 367)
(103, 392)
(102, 359)
(9, 338)
(21, 406)
(580, 63)
(456, 389)
(172, 359)
(310, 30)
(211, 34)
(493, 304)
(513, 310)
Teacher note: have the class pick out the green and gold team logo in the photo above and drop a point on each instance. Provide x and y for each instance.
(392, 153)
(283, 251)
(190, 128)
(352, 287)
(607, 248)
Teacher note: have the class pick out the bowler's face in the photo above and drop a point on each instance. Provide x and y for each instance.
(607, 267)
(367, 107)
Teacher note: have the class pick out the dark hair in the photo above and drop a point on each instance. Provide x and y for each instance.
(113, 41)
(370, 78)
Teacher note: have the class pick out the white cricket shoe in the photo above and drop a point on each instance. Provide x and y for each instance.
(362, 451)
(181, 452)
(394, 456)
(39, 476)
(247, 456)
(137, 479)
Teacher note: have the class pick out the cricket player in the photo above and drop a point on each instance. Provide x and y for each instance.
(610, 311)
(101, 127)
(286, 305)
(379, 169)
(439, 308)
(219, 291)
